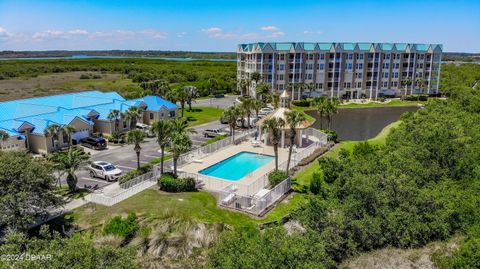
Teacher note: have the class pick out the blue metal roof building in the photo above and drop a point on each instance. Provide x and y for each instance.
(62, 109)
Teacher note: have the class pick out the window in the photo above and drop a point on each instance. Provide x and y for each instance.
(281, 67)
(359, 66)
(349, 66)
(310, 56)
(321, 66)
(385, 75)
(395, 75)
(322, 56)
(172, 114)
(124, 125)
(350, 56)
(385, 84)
(360, 56)
(309, 76)
(359, 84)
(282, 57)
(395, 84)
(359, 75)
(319, 85)
(280, 77)
(151, 116)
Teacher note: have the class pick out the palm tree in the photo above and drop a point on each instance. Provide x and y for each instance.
(274, 99)
(320, 103)
(192, 94)
(256, 106)
(115, 115)
(262, 90)
(71, 161)
(182, 97)
(68, 130)
(242, 86)
(136, 137)
(293, 119)
(331, 109)
(132, 115)
(172, 95)
(3, 135)
(181, 141)
(162, 129)
(274, 127)
(163, 87)
(405, 83)
(53, 130)
(231, 115)
(213, 86)
(255, 77)
(247, 105)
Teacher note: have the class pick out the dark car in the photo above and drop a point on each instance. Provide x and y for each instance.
(94, 142)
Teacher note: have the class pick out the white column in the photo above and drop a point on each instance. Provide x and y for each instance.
(283, 138)
(339, 74)
(273, 71)
(260, 133)
(408, 74)
(438, 74)
(300, 77)
(333, 79)
(261, 66)
(371, 81)
(430, 74)
(414, 71)
(293, 77)
(379, 70)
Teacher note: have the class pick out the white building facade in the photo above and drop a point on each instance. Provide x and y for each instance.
(343, 70)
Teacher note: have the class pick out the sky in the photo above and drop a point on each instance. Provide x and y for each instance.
(222, 25)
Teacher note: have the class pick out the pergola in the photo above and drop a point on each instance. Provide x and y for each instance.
(279, 113)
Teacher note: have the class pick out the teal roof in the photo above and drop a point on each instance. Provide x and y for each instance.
(63, 109)
(386, 46)
(364, 46)
(401, 46)
(348, 46)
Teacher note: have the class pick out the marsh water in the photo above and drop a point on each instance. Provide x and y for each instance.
(361, 123)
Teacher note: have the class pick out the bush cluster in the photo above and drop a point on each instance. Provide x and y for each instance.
(122, 227)
(302, 103)
(170, 183)
(275, 177)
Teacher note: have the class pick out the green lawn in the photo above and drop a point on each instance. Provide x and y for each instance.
(152, 203)
(201, 115)
(305, 176)
(65, 192)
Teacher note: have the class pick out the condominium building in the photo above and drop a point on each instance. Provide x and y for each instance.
(25, 121)
(343, 70)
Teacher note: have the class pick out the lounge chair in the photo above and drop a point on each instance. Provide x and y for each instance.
(229, 199)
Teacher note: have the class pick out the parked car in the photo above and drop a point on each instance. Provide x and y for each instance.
(213, 132)
(94, 142)
(253, 121)
(223, 120)
(145, 128)
(266, 110)
(105, 170)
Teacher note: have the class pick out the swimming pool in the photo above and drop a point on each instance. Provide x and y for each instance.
(237, 166)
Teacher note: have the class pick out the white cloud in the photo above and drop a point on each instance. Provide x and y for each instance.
(276, 34)
(79, 33)
(181, 34)
(269, 28)
(307, 32)
(53, 34)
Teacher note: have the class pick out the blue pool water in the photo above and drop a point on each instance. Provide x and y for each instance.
(237, 166)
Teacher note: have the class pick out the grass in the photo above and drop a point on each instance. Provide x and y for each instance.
(65, 192)
(214, 139)
(391, 103)
(283, 208)
(201, 115)
(303, 109)
(201, 206)
(306, 174)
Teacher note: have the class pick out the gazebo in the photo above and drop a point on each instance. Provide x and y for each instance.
(280, 113)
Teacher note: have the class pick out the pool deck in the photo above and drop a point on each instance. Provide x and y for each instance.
(232, 150)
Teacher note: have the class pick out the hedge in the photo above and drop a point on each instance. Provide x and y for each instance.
(275, 177)
(170, 183)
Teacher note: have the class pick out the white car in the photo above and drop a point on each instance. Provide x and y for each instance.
(105, 170)
(146, 129)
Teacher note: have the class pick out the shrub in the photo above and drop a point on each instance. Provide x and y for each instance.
(145, 168)
(302, 103)
(276, 177)
(122, 227)
(332, 135)
(169, 183)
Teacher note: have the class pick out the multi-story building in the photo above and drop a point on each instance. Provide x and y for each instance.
(25, 121)
(344, 70)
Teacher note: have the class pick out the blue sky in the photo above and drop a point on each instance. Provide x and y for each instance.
(221, 25)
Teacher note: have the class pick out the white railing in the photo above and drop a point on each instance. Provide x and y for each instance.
(137, 180)
(102, 199)
(251, 204)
